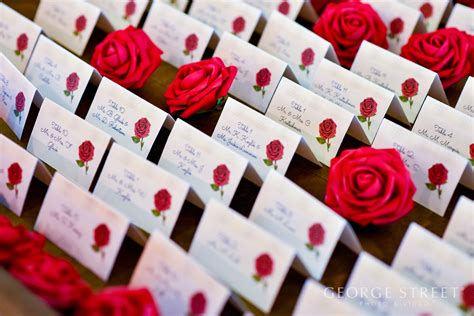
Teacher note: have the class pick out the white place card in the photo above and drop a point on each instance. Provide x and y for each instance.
(302, 49)
(432, 11)
(16, 96)
(82, 225)
(18, 36)
(303, 222)
(290, 8)
(212, 170)
(131, 121)
(428, 260)
(236, 17)
(183, 42)
(316, 299)
(447, 127)
(122, 13)
(435, 171)
(460, 230)
(378, 290)
(367, 101)
(58, 74)
(258, 72)
(149, 196)
(180, 285)
(67, 143)
(410, 82)
(177, 4)
(461, 18)
(17, 167)
(68, 22)
(241, 255)
(320, 122)
(465, 102)
(264, 143)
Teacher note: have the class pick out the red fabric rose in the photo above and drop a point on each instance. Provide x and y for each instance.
(307, 57)
(221, 175)
(101, 235)
(275, 150)
(191, 42)
(130, 8)
(127, 57)
(119, 301)
(86, 151)
(368, 107)
(263, 77)
(72, 82)
(396, 26)
(449, 52)
(410, 88)
(14, 174)
(467, 296)
(55, 280)
(199, 87)
(346, 25)
(197, 305)
(20, 102)
(81, 23)
(467, 3)
(238, 25)
(368, 185)
(162, 200)
(327, 129)
(142, 128)
(426, 9)
(316, 234)
(438, 174)
(320, 5)
(264, 265)
(284, 7)
(22, 42)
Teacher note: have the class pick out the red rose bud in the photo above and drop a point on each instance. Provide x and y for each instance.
(467, 296)
(72, 82)
(396, 26)
(284, 7)
(263, 77)
(197, 305)
(327, 129)
(427, 10)
(14, 174)
(20, 102)
(264, 265)
(316, 234)
(238, 25)
(191, 42)
(22, 42)
(86, 151)
(438, 174)
(130, 8)
(101, 235)
(142, 128)
(275, 150)
(221, 175)
(81, 23)
(162, 200)
(368, 107)
(410, 87)
(307, 57)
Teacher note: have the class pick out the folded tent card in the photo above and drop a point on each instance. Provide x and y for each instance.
(121, 14)
(433, 11)
(58, 74)
(460, 230)
(461, 18)
(177, 4)
(19, 36)
(177, 281)
(465, 102)
(290, 8)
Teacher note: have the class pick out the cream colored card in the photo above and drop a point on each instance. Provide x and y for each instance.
(465, 102)
(122, 13)
(432, 11)
(461, 18)
(460, 230)
(289, 8)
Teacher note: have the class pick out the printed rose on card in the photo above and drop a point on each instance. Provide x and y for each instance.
(431, 11)
(122, 14)
(289, 8)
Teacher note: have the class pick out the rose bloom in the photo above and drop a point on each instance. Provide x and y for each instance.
(284, 7)
(197, 304)
(198, 86)
(346, 25)
(368, 185)
(72, 82)
(221, 175)
(22, 42)
(101, 235)
(467, 295)
(327, 129)
(86, 151)
(20, 102)
(448, 52)
(471, 150)
(396, 26)
(438, 174)
(81, 23)
(426, 9)
(264, 265)
(142, 128)
(320, 5)
(467, 3)
(238, 25)
(14, 173)
(275, 150)
(127, 57)
(191, 42)
(263, 77)
(55, 280)
(368, 107)
(410, 87)
(307, 57)
(316, 234)
(130, 8)
(119, 301)
(162, 200)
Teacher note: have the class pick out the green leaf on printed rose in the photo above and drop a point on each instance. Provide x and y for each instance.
(321, 140)
(431, 186)
(17, 52)
(391, 35)
(361, 118)
(302, 67)
(80, 163)
(156, 212)
(309, 246)
(75, 33)
(95, 248)
(403, 98)
(215, 187)
(257, 88)
(268, 162)
(257, 278)
(10, 186)
(369, 123)
(16, 113)
(186, 52)
(472, 162)
(67, 93)
(135, 139)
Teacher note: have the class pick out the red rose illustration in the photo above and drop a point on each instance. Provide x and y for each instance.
(101, 238)
(142, 130)
(190, 43)
(471, 154)
(86, 154)
(409, 90)
(263, 268)
(72, 83)
(327, 130)
(238, 25)
(467, 297)
(427, 10)
(81, 23)
(15, 174)
(221, 175)
(19, 105)
(162, 203)
(263, 78)
(437, 175)
(21, 44)
(274, 151)
(316, 234)
(197, 304)
(307, 59)
(130, 8)
(368, 109)
(284, 7)
(396, 27)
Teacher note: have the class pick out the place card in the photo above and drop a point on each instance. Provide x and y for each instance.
(241, 255)
(303, 222)
(149, 196)
(212, 170)
(176, 281)
(446, 127)
(131, 121)
(465, 101)
(432, 11)
(302, 49)
(236, 17)
(320, 122)
(290, 8)
(460, 230)
(258, 72)
(59, 75)
(177, 4)
(461, 18)
(316, 299)
(410, 82)
(82, 225)
(183, 42)
(401, 21)
(67, 143)
(68, 22)
(367, 101)
(379, 290)
(121, 14)
(16, 96)
(435, 171)
(428, 260)
(18, 36)
(265, 144)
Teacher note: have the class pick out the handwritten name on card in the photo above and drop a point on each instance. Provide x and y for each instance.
(465, 102)
(121, 14)
(460, 230)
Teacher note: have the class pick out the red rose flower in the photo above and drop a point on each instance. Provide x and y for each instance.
(119, 301)
(264, 265)
(316, 234)
(327, 129)
(368, 107)
(448, 52)
(221, 175)
(14, 174)
(22, 42)
(197, 304)
(275, 150)
(368, 185)
(142, 128)
(320, 5)
(467, 296)
(54, 280)
(199, 87)
(191, 42)
(284, 7)
(471, 151)
(427, 10)
(346, 25)
(20, 102)
(162, 202)
(410, 88)
(127, 57)
(438, 174)
(86, 151)
(101, 235)
(307, 57)
(72, 82)
(467, 3)
(263, 77)
(238, 25)
(130, 8)
(81, 22)
(396, 26)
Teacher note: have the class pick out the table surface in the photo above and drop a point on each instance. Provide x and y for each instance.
(380, 241)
